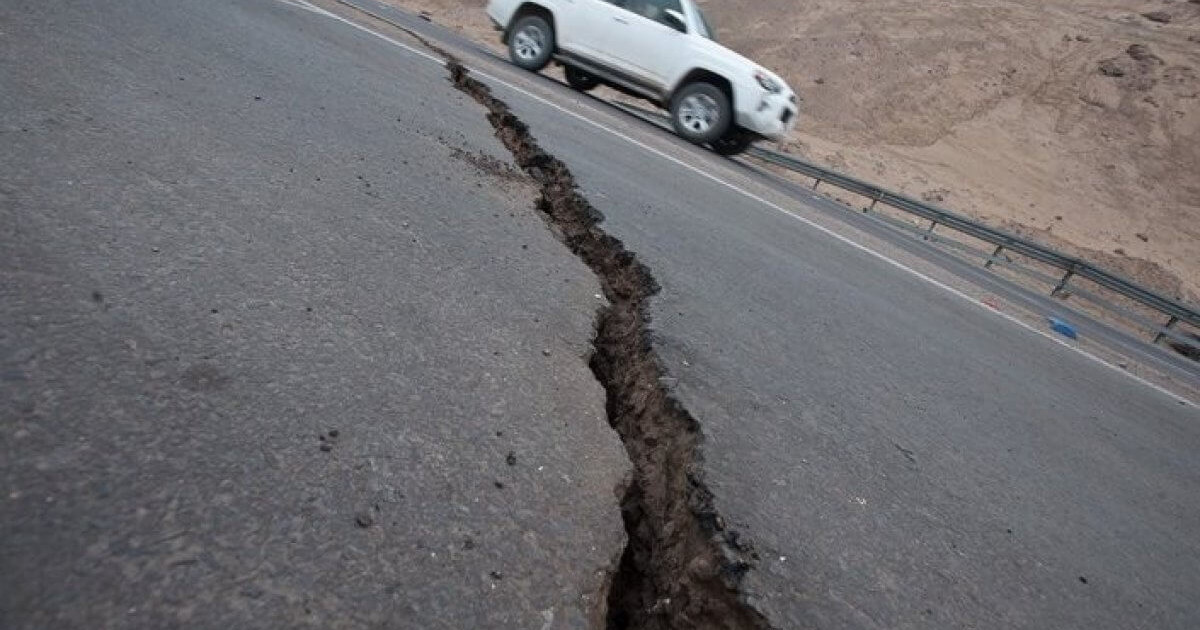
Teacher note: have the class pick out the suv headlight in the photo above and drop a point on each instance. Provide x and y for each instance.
(767, 83)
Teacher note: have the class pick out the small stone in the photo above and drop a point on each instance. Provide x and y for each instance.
(1142, 237)
(154, 249)
(364, 519)
(499, 484)
(326, 447)
(253, 592)
(935, 196)
(1140, 52)
(1083, 38)
(1162, 17)
(496, 575)
(546, 352)
(511, 459)
(333, 433)
(258, 98)
(1110, 68)
(1082, 580)
(468, 543)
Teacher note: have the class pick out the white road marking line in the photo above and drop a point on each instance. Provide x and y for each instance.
(806, 221)
(302, 4)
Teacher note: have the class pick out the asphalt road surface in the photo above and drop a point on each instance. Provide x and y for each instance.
(229, 229)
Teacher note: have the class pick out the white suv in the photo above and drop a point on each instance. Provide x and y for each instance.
(660, 50)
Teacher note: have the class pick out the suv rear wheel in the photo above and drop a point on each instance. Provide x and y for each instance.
(531, 43)
(579, 79)
(701, 113)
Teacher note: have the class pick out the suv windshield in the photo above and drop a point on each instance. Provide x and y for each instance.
(706, 30)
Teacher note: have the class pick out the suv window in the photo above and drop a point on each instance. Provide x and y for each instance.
(653, 9)
(706, 29)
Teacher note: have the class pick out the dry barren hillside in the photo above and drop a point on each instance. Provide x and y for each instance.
(1076, 122)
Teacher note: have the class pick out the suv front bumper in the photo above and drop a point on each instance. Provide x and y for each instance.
(771, 116)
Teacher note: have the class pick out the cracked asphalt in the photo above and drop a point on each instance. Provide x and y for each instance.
(275, 352)
(180, 186)
(899, 457)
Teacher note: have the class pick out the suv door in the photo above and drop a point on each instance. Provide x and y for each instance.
(587, 27)
(649, 44)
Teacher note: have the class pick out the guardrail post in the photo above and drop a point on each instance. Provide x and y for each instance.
(992, 259)
(874, 200)
(932, 224)
(1170, 324)
(816, 183)
(1061, 289)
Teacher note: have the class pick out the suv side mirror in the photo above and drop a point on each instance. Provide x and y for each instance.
(675, 20)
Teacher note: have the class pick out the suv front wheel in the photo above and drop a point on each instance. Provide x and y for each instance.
(701, 113)
(531, 43)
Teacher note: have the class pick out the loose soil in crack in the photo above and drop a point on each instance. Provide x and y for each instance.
(681, 567)
(487, 164)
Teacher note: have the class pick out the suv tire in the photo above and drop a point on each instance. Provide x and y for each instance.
(579, 79)
(531, 43)
(701, 113)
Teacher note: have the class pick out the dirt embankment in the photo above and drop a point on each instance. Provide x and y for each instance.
(1075, 121)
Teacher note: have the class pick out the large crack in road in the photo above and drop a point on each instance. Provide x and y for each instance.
(682, 567)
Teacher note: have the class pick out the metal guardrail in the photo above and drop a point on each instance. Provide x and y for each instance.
(1070, 265)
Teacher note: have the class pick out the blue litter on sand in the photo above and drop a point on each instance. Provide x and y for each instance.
(1063, 328)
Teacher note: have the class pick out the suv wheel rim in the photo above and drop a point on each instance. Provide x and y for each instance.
(698, 112)
(529, 42)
